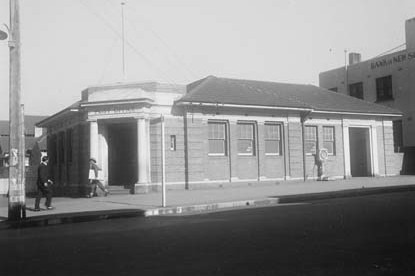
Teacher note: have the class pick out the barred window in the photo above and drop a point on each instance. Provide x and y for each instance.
(272, 137)
(329, 140)
(384, 88)
(246, 139)
(356, 90)
(217, 138)
(310, 139)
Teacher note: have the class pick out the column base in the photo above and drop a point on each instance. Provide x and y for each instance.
(143, 188)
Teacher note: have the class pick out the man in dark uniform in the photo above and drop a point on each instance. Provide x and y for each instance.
(43, 185)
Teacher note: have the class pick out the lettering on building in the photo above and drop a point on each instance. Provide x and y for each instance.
(392, 60)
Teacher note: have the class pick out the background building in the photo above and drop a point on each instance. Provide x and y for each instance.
(218, 132)
(36, 147)
(388, 80)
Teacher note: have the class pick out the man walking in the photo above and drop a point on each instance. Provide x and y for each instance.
(94, 178)
(43, 185)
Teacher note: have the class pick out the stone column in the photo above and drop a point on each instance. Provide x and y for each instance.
(346, 150)
(103, 151)
(142, 152)
(93, 139)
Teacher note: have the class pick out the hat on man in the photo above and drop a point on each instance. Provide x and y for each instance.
(93, 159)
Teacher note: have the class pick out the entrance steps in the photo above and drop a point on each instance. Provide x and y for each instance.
(118, 190)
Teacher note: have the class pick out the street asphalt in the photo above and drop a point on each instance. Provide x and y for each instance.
(179, 202)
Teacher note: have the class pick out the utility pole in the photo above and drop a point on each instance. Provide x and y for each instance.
(17, 206)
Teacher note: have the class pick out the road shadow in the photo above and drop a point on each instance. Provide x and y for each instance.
(75, 217)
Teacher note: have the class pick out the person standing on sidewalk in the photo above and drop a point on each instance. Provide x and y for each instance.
(94, 178)
(43, 185)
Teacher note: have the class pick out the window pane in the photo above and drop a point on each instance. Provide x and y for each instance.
(245, 131)
(272, 132)
(310, 133)
(216, 146)
(329, 146)
(328, 134)
(217, 138)
(245, 146)
(272, 146)
(310, 147)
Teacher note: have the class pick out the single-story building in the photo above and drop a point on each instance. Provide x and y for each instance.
(217, 131)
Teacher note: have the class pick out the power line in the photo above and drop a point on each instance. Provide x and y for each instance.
(116, 32)
(388, 51)
(172, 58)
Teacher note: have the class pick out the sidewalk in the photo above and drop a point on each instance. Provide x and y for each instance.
(68, 210)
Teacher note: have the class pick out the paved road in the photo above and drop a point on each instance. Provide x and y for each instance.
(371, 235)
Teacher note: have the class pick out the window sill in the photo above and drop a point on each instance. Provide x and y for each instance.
(216, 155)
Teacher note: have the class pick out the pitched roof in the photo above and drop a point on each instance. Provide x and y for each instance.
(29, 143)
(216, 90)
(29, 123)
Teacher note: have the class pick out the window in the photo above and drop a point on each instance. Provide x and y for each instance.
(397, 136)
(272, 138)
(217, 138)
(334, 89)
(310, 139)
(384, 88)
(356, 90)
(173, 142)
(246, 139)
(329, 139)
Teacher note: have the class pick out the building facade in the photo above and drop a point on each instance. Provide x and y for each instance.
(389, 80)
(217, 132)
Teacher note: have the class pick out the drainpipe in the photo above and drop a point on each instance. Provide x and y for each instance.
(304, 116)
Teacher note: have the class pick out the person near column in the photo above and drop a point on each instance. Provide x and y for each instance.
(43, 185)
(94, 178)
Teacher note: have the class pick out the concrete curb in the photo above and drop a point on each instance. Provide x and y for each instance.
(56, 219)
(210, 207)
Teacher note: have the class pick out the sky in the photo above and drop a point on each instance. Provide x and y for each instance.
(69, 45)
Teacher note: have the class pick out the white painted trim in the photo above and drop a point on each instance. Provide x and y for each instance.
(264, 178)
(357, 113)
(346, 151)
(374, 151)
(244, 106)
(235, 118)
(286, 108)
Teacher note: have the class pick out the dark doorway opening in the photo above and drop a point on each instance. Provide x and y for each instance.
(122, 154)
(360, 162)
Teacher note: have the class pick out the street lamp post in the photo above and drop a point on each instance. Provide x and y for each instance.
(17, 208)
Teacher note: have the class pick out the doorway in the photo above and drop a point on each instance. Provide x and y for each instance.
(122, 154)
(360, 161)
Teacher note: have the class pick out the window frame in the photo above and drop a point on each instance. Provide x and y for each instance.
(278, 139)
(356, 87)
(252, 139)
(381, 87)
(224, 139)
(330, 141)
(308, 140)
